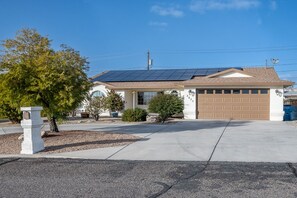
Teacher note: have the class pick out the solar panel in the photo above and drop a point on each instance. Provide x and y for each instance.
(156, 75)
(201, 72)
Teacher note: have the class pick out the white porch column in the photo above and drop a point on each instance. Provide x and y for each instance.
(133, 99)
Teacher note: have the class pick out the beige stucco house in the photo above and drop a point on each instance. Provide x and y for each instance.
(208, 93)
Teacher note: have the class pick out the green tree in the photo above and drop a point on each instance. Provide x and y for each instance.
(114, 101)
(9, 107)
(39, 75)
(96, 106)
(166, 105)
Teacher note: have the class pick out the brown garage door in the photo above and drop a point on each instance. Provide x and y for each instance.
(238, 104)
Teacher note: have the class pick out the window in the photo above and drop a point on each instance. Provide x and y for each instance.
(97, 94)
(218, 91)
(209, 91)
(145, 97)
(245, 91)
(174, 92)
(236, 91)
(227, 91)
(201, 91)
(264, 91)
(255, 91)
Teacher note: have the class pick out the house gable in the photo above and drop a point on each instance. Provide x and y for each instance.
(233, 75)
(230, 73)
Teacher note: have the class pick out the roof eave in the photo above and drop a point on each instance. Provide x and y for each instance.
(280, 83)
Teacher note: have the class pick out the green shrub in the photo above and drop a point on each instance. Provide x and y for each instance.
(166, 105)
(134, 115)
(140, 114)
(96, 106)
(114, 102)
(128, 115)
(12, 113)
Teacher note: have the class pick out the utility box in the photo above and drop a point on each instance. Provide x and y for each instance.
(31, 125)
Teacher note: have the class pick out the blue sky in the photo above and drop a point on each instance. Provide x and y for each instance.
(116, 34)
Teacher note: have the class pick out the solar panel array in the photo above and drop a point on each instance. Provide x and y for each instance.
(156, 75)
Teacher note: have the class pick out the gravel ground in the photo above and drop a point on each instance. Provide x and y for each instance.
(67, 141)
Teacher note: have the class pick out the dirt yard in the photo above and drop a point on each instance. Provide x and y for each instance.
(66, 141)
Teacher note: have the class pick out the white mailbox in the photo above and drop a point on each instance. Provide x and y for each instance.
(31, 125)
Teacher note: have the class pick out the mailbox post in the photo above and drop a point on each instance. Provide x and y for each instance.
(31, 125)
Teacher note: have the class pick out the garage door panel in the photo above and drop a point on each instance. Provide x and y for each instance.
(227, 100)
(233, 106)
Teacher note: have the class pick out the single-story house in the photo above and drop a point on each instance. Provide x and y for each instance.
(290, 97)
(208, 93)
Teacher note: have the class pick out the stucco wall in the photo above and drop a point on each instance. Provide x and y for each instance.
(276, 103)
(190, 103)
(233, 75)
(128, 99)
(98, 88)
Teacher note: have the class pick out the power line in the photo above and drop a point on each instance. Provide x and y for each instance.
(184, 51)
(288, 70)
(229, 50)
(107, 57)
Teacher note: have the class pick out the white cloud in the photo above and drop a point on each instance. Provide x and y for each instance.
(173, 11)
(273, 5)
(202, 6)
(158, 24)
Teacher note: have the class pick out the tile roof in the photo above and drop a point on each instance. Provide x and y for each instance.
(260, 76)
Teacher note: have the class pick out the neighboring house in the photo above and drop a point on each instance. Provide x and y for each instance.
(208, 93)
(290, 97)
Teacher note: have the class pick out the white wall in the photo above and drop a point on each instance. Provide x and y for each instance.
(276, 103)
(233, 75)
(101, 88)
(190, 103)
(128, 100)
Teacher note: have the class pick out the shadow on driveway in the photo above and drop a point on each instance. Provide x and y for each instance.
(180, 126)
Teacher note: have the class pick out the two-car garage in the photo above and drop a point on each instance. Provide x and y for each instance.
(238, 104)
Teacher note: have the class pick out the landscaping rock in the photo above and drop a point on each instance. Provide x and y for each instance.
(44, 134)
(153, 117)
(21, 137)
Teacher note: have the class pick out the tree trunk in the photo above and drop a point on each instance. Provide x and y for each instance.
(53, 124)
(96, 117)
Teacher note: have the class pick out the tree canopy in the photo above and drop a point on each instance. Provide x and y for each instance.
(39, 75)
(114, 102)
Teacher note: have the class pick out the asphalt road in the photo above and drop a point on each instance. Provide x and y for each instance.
(100, 178)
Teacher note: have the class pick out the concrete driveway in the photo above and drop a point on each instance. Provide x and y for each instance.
(245, 141)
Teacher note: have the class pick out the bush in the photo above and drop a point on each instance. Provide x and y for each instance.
(114, 101)
(12, 113)
(140, 114)
(128, 115)
(96, 106)
(166, 105)
(134, 115)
